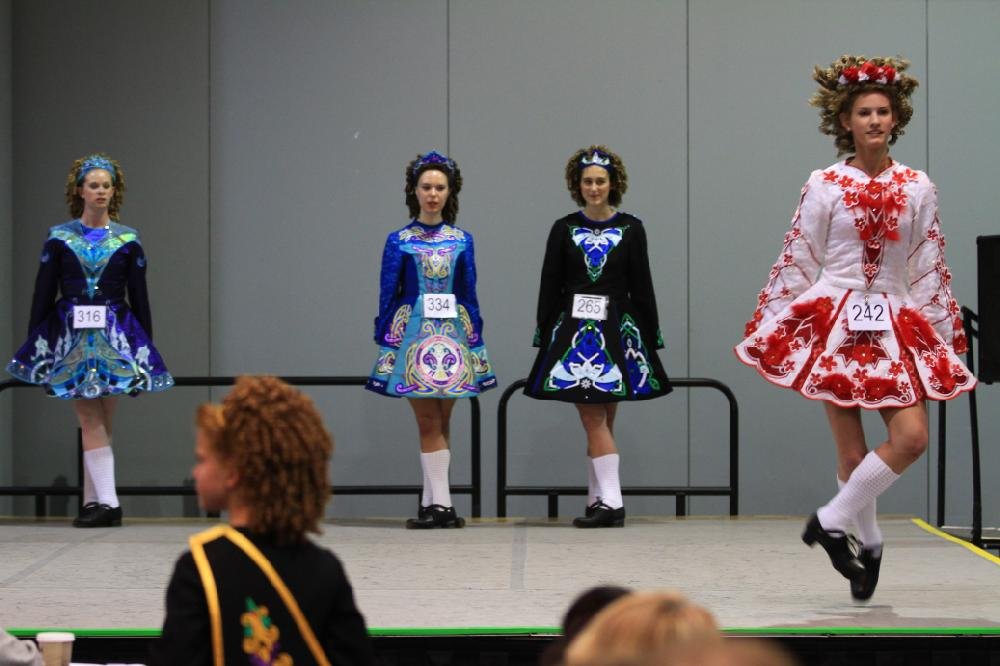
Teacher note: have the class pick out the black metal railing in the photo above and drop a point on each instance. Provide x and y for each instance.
(41, 493)
(680, 492)
(969, 321)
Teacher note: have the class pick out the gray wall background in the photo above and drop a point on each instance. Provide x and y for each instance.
(264, 146)
(6, 224)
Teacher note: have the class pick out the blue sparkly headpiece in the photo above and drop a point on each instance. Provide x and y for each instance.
(92, 162)
(598, 158)
(434, 157)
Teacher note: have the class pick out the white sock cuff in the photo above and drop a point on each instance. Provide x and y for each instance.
(873, 465)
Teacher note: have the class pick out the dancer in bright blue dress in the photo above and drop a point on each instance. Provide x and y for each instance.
(90, 329)
(428, 328)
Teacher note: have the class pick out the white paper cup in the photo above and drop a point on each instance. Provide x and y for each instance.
(56, 647)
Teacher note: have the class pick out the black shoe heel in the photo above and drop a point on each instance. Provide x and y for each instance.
(836, 545)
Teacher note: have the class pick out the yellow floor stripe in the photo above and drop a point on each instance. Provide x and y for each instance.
(961, 542)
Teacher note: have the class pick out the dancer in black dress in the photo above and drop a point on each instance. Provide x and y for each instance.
(598, 328)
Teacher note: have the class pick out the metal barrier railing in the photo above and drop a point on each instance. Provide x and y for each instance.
(969, 324)
(680, 492)
(41, 493)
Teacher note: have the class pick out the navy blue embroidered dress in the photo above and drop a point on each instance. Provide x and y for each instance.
(424, 357)
(592, 360)
(87, 266)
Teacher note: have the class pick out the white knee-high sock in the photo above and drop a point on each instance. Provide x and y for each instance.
(593, 487)
(436, 466)
(869, 480)
(89, 494)
(426, 495)
(606, 470)
(866, 523)
(101, 465)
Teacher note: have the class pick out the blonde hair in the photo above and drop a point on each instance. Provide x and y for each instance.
(642, 628)
(836, 95)
(273, 435)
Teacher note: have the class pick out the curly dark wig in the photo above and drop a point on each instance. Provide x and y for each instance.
(274, 436)
(449, 213)
(75, 202)
(616, 172)
(840, 85)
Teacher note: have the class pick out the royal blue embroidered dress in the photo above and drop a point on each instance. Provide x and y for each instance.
(589, 360)
(423, 357)
(87, 266)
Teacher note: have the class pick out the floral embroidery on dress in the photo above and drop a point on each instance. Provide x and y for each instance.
(876, 207)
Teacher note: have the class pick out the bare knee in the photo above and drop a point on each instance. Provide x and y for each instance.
(849, 460)
(89, 414)
(593, 419)
(429, 425)
(910, 441)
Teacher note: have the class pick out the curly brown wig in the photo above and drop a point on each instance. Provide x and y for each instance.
(850, 76)
(616, 171)
(75, 202)
(274, 437)
(449, 213)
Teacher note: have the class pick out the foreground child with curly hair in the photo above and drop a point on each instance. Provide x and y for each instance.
(257, 590)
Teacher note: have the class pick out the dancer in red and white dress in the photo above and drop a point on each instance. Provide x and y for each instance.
(858, 312)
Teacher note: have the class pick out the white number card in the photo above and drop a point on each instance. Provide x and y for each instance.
(440, 306)
(89, 316)
(868, 312)
(586, 306)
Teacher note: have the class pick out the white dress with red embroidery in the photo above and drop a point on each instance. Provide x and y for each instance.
(878, 236)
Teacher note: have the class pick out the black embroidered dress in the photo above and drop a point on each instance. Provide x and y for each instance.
(584, 360)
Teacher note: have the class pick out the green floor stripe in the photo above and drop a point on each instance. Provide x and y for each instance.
(444, 632)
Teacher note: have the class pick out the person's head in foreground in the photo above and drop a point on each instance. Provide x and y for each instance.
(643, 629)
(580, 612)
(262, 456)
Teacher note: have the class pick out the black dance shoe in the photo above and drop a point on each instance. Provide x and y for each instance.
(601, 515)
(871, 558)
(837, 547)
(98, 515)
(423, 511)
(591, 508)
(433, 516)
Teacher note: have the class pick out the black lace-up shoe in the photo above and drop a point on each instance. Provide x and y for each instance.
(433, 516)
(601, 515)
(871, 558)
(837, 547)
(98, 515)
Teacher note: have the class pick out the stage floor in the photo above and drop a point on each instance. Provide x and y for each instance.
(754, 573)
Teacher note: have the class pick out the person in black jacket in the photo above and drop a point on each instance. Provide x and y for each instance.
(257, 590)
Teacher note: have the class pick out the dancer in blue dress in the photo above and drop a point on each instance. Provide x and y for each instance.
(90, 329)
(428, 328)
(598, 328)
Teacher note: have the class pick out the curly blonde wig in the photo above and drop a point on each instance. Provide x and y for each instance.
(274, 437)
(850, 76)
(449, 213)
(643, 628)
(74, 202)
(616, 172)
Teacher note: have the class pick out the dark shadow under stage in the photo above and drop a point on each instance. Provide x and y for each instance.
(499, 587)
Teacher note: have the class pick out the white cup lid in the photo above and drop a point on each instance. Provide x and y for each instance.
(55, 637)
